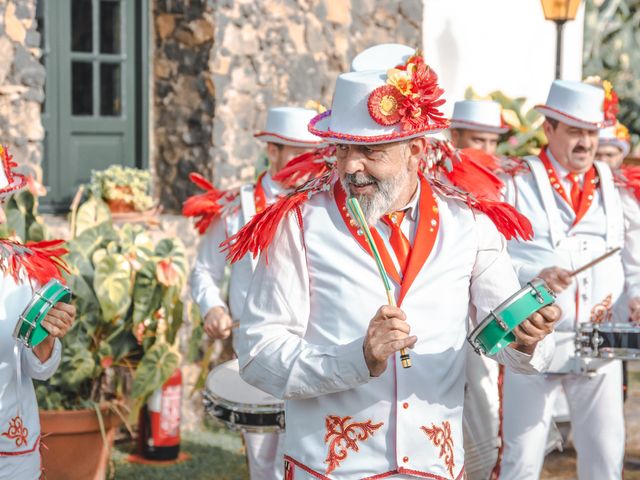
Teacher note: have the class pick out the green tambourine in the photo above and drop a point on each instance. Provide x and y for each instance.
(494, 332)
(28, 329)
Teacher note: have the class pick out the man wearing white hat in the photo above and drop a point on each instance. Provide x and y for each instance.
(614, 144)
(21, 269)
(578, 214)
(286, 136)
(477, 124)
(313, 329)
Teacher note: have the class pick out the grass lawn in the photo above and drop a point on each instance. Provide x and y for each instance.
(216, 454)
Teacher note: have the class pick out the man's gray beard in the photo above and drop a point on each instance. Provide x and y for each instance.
(379, 203)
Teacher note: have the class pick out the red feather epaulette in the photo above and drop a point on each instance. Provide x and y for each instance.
(629, 178)
(469, 170)
(304, 167)
(41, 261)
(508, 221)
(256, 236)
(208, 205)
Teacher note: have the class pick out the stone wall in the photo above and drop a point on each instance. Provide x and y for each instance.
(21, 84)
(220, 64)
(183, 95)
(274, 52)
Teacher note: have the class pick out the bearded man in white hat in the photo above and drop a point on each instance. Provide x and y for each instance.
(317, 329)
(286, 136)
(578, 214)
(477, 124)
(24, 268)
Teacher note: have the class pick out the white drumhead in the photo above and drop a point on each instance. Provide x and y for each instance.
(225, 382)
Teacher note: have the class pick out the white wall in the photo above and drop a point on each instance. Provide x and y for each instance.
(497, 45)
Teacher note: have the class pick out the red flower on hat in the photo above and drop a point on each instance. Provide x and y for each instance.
(610, 105)
(384, 105)
(410, 98)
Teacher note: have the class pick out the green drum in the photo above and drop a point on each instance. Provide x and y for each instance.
(28, 329)
(494, 332)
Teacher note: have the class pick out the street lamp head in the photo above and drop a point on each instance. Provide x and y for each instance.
(560, 10)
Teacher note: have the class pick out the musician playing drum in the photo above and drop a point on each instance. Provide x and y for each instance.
(316, 329)
(19, 420)
(578, 213)
(286, 137)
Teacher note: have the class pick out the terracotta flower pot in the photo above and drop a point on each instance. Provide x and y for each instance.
(73, 445)
(121, 206)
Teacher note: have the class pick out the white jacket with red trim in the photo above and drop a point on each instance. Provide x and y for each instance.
(612, 220)
(301, 338)
(19, 418)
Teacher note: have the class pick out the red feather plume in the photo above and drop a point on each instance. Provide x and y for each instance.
(508, 221)
(256, 236)
(631, 179)
(42, 261)
(205, 206)
(309, 165)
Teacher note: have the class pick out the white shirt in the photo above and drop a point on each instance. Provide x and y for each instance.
(302, 331)
(208, 273)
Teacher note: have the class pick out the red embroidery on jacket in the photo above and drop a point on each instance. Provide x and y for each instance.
(17, 431)
(344, 436)
(441, 437)
(602, 311)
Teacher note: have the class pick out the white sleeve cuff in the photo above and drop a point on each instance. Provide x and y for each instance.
(526, 364)
(352, 366)
(42, 370)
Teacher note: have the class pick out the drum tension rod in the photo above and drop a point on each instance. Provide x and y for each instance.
(536, 293)
(501, 323)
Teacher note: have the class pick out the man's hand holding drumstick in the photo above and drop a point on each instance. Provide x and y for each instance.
(387, 334)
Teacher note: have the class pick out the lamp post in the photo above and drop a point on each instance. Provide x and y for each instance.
(559, 12)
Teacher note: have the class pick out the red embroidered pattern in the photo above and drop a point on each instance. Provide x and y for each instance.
(441, 437)
(17, 431)
(344, 436)
(602, 311)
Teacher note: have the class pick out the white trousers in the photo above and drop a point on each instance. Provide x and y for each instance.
(264, 455)
(597, 422)
(480, 416)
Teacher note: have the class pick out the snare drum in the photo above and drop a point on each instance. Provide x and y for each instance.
(620, 341)
(494, 332)
(28, 329)
(239, 405)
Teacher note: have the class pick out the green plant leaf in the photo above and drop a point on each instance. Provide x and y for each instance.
(147, 293)
(91, 213)
(112, 284)
(92, 239)
(155, 368)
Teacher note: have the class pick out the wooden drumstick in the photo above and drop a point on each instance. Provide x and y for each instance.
(358, 216)
(593, 262)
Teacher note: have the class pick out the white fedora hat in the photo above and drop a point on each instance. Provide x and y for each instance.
(288, 126)
(10, 181)
(617, 136)
(382, 57)
(377, 106)
(480, 115)
(575, 103)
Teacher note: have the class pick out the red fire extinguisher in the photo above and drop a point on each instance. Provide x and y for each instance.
(159, 422)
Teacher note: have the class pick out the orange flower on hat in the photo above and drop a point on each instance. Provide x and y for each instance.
(622, 132)
(610, 107)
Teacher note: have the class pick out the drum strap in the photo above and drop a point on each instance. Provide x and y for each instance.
(612, 207)
(548, 199)
(248, 207)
